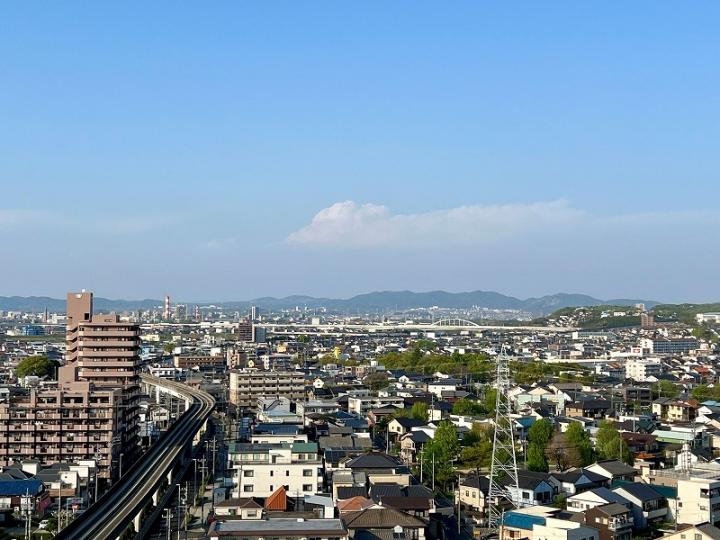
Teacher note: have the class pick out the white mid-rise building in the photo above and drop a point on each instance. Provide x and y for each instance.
(642, 369)
(258, 470)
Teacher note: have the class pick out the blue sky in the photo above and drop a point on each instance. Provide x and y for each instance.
(234, 150)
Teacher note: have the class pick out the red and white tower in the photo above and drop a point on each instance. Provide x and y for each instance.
(166, 309)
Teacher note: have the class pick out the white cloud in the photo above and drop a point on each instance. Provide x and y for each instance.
(369, 225)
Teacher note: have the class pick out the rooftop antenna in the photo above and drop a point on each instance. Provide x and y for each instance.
(503, 469)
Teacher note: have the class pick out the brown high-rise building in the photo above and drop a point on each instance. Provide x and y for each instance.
(105, 351)
(93, 411)
(75, 421)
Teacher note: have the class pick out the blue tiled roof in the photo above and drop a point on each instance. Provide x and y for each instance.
(522, 521)
(14, 488)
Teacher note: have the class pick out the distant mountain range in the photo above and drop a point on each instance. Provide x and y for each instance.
(371, 302)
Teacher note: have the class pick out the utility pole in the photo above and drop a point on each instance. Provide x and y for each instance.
(179, 490)
(433, 470)
(421, 465)
(167, 517)
(185, 509)
(503, 469)
(212, 474)
(459, 510)
(195, 484)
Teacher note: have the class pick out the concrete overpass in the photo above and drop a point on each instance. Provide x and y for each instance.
(139, 497)
(444, 325)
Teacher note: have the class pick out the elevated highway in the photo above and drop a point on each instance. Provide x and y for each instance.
(446, 325)
(138, 494)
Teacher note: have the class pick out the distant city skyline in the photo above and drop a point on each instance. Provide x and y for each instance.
(327, 150)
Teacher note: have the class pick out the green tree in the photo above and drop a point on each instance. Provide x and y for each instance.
(418, 411)
(490, 399)
(477, 456)
(327, 359)
(168, 348)
(536, 460)
(467, 407)
(610, 444)
(541, 432)
(667, 389)
(376, 381)
(561, 453)
(40, 366)
(441, 451)
(578, 437)
(702, 392)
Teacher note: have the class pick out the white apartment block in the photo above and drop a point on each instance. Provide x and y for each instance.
(362, 405)
(257, 470)
(698, 493)
(698, 501)
(641, 369)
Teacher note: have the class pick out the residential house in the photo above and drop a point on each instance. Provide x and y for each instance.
(575, 481)
(649, 506)
(595, 497)
(704, 531)
(536, 488)
(614, 470)
(244, 508)
(399, 426)
(588, 408)
(673, 410)
(383, 523)
(474, 491)
(614, 521)
(411, 445)
(416, 500)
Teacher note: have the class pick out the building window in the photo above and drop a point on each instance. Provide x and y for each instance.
(249, 487)
(307, 472)
(698, 536)
(287, 473)
(248, 474)
(307, 487)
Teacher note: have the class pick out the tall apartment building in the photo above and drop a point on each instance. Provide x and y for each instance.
(259, 469)
(106, 352)
(249, 385)
(75, 421)
(92, 413)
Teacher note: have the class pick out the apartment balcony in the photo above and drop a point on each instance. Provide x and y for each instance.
(105, 374)
(620, 525)
(121, 330)
(109, 353)
(47, 440)
(104, 343)
(657, 513)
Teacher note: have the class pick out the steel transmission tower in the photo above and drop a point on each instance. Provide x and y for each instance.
(503, 469)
